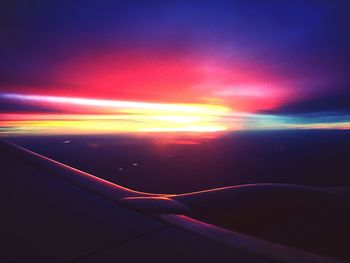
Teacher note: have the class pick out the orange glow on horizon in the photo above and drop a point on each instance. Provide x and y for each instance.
(71, 115)
(116, 117)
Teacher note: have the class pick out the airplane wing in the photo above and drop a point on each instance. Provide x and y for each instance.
(51, 212)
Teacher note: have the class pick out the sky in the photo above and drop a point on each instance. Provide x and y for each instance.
(173, 66)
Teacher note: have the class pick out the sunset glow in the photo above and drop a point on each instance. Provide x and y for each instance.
(174, 67)
(132, 117)
(113, 116)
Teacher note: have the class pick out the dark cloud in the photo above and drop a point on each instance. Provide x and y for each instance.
(12, 106)
(338, 101)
